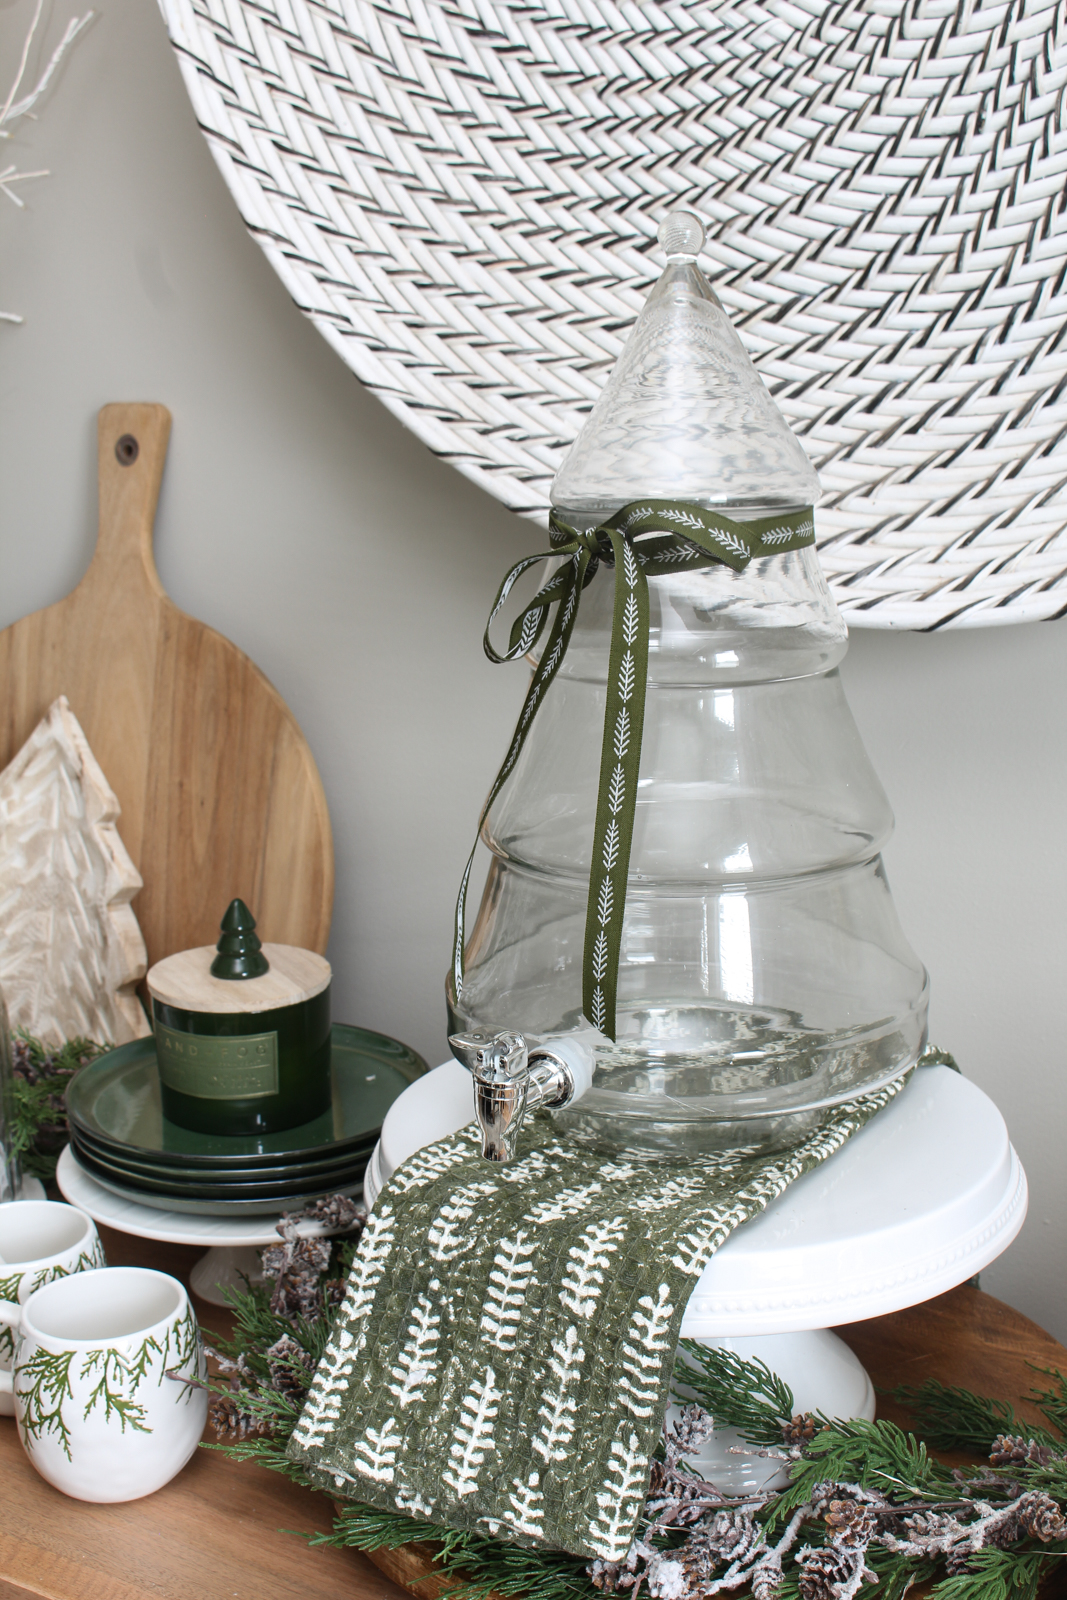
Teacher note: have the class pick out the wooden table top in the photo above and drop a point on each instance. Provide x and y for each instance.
(218, 1531)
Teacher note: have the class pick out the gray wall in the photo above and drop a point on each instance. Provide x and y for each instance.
(300, 519)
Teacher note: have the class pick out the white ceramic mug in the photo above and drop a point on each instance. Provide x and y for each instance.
(99, 1413)
(40, 1240)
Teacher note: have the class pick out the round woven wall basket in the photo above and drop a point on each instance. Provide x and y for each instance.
(464, 196)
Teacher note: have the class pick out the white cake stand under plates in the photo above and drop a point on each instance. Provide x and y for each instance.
(923, 1197)
(230, 1242)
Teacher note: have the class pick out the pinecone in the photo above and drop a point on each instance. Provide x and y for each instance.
(21, 1060)
(1040, 1517)
(677, 1498)
(611, 1575)
(296, 1267)
(928, 1525)
(823, 1495)
(850, 1525)
(801, 1430)
(336, 1214)
(604, 1575)
(230, 1420)
(1012, 1450)
(766, 1578)
(690, 1431)
(289, 1367)
(826, 1574)
(667, 1579)
(729, 1536)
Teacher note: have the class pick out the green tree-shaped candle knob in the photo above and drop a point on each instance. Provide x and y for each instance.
(240, 953)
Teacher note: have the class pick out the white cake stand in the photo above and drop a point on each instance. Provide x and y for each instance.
(922, 1198)
(230, 1242)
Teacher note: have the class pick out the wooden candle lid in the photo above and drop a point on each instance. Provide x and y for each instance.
(185, 981)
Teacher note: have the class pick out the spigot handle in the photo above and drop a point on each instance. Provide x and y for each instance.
(499, 1065)
(510, 1079)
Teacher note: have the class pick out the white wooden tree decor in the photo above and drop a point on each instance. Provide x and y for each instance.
(70, 947)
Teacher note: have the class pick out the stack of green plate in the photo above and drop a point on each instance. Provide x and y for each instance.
(119, 1135)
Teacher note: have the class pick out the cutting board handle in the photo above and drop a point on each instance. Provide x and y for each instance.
(131, 449)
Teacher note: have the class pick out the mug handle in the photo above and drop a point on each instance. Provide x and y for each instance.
(11, 1315)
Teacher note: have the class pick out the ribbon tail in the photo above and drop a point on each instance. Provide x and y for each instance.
(559, 637)
(620, 763)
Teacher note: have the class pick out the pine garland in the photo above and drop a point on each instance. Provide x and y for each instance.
(866, 1508)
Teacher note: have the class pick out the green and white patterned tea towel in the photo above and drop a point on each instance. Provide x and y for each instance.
(503, 1355)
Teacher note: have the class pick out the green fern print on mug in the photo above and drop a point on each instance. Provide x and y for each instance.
(109, 1379)
(20, 1284)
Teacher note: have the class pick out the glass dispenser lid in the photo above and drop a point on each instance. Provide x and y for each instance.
(684, 414)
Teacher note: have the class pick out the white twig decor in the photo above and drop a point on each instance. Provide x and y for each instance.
(12, 108)
(463, 195)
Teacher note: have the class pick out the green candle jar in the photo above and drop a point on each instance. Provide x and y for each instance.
(242, 1033)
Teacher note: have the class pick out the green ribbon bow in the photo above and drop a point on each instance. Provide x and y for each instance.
(645, 539)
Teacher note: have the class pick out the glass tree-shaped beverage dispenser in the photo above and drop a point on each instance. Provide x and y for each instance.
(753, 963)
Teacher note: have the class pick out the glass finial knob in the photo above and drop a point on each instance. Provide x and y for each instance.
(681, 236)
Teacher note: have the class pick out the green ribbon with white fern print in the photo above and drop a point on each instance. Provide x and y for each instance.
(645, 539)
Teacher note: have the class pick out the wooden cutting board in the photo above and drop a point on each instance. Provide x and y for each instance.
(220, 794)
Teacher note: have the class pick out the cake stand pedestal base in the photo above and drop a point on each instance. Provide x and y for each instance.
(225, 1267)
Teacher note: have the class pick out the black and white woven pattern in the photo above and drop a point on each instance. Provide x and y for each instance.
(463, 195)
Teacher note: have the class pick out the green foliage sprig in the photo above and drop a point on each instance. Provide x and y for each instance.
(39, 1082)
(1053, 1402)
(739, 1393)
(477, 1565)
(955, 1419)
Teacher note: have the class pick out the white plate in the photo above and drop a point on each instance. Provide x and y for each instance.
(230, 1242)
(922, 1198)
(145, 1223)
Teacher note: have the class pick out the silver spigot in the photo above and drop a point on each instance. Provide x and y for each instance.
(510, 1080)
